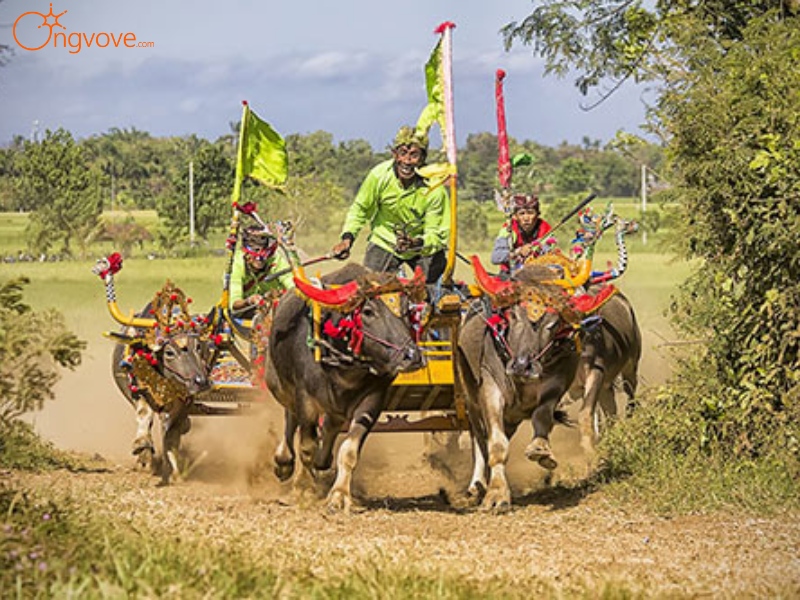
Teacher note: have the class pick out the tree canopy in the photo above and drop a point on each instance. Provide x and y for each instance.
(728, 112)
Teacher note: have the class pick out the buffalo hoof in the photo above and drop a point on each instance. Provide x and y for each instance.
(338, 502)
(539, 451)
(144, 451)
(496, 501)
(283, 471)
(476, 491)
(142, 444)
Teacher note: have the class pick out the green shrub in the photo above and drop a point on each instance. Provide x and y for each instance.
(32, 345)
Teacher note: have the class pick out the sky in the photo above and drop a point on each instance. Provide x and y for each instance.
(354, 68)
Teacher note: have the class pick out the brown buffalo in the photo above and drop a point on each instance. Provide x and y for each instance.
(610, 357)
(161, 362)
(516, 358)
(332, 363)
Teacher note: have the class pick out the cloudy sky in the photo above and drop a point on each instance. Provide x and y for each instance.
(353, 68)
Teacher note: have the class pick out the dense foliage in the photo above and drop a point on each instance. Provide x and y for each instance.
(66, 183)
(61, 193)
(33, 344)
(735, 124)
(728, 109)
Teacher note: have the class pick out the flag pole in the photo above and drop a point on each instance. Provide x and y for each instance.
(449, 139)
(236, 196)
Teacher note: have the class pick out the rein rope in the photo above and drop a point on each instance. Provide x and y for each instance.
(352, 330)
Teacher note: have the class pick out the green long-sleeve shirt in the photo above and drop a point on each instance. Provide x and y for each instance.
(384, 203)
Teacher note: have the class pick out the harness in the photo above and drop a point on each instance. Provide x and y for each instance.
(146, 381)
(497, 323)
(349, 328)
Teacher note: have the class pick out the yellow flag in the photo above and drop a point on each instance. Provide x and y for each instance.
(262, 152)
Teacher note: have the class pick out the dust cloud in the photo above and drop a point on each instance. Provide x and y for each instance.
(91, 416)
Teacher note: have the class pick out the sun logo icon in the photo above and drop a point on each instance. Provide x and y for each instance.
(45, 23)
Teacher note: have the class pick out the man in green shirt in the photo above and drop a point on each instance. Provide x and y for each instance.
(257, 259)
(409, 222)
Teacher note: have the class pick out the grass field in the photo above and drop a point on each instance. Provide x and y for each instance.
(12, 230)
(72, 288)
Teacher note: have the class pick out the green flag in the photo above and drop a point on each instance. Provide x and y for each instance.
(262, 152)
(434, 83)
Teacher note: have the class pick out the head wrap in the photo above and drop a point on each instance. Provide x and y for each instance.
(256, 241)
(524, 202)
(408, 136)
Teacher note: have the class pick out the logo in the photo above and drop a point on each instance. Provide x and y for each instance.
(25, 27)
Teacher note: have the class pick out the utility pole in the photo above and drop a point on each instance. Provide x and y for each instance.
(191, 202)
(644, 201)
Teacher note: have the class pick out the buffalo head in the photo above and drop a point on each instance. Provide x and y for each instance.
(373, 320)
(168, 349)
(530, 318)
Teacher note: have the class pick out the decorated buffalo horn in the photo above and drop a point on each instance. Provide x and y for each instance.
(130, 321)
(334, 297)
(493, 286)
(106, 268)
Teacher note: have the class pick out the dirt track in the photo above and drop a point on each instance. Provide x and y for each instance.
(554, 541)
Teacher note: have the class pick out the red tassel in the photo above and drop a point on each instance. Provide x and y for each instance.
(444, 27)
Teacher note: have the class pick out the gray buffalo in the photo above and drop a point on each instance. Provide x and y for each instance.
(516, 358)
(612, 349)
(332, 362)
(161, 362)
(610, 357)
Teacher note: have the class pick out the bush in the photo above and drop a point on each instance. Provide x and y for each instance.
(32, 345)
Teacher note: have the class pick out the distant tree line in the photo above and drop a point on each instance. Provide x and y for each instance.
(66, 184)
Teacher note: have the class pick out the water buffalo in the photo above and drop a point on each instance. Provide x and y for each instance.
(362, 335)
(610, 356)
(516, 358)
(164, 354)
(612, 350)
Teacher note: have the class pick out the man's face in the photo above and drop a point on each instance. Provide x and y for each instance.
(526, 217)
(407, 158)
(256, 258)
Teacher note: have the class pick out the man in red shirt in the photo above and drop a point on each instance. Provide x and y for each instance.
(514, 242)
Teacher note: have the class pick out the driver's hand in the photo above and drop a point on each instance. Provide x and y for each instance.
(341, 250)
(404, 243)
(522, 252)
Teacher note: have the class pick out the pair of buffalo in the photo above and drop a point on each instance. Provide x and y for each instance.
(331, 366)
(517, 356)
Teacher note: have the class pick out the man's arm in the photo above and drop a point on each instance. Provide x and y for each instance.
(501, 251)
(363, 206)
(358, 214)
(237, 281)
